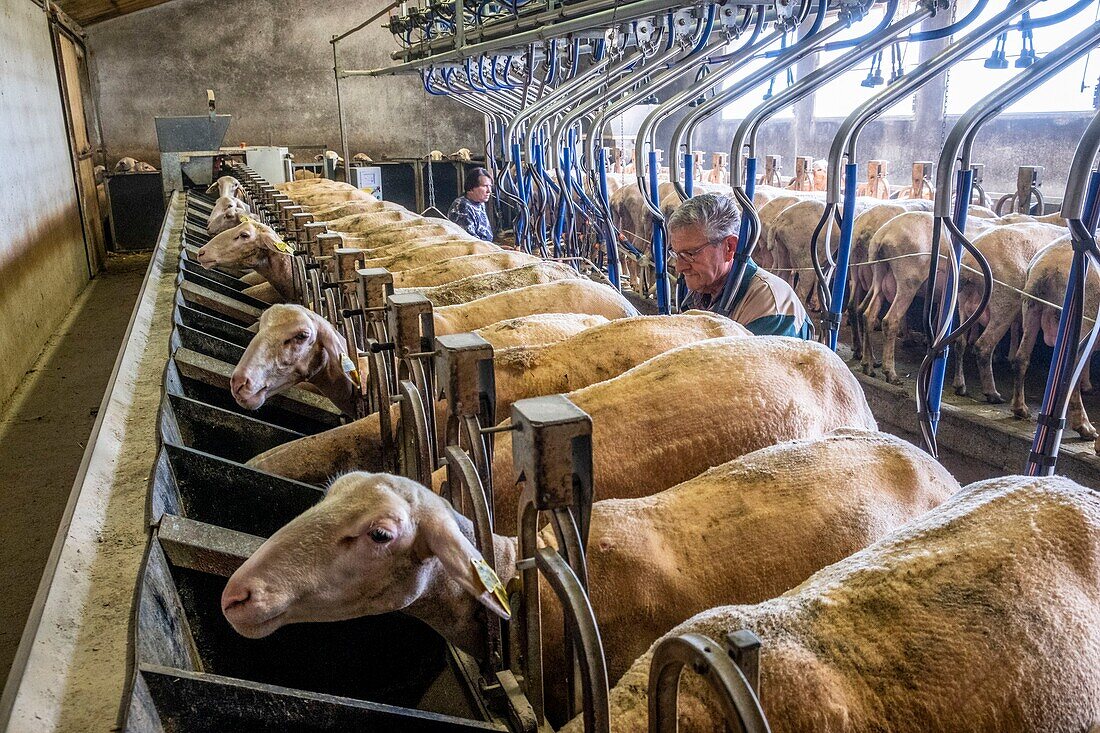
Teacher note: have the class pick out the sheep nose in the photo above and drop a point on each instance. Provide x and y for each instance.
(235, 596)
(240, 382)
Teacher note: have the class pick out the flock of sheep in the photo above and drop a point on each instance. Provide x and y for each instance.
(729, 469)
(891, 246)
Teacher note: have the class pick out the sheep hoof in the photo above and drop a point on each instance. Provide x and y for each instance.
(878, 363)
(994, 398)
(1021, 412)
(868, 370)
(961, 390)
(1087, 431)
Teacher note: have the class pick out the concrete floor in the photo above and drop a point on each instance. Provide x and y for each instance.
(44, 429)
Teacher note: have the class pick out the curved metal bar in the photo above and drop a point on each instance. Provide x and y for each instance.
(949, 30)
(960, 140)
(414, 443)
(380, 385)
(737, 61)
(683, 133)
(682, 68)
(610, 110)
(958, 148)
(1081, 210)
(711, 661)
(871, 43)
(463, 477)
(581, 624)
(1028, 24)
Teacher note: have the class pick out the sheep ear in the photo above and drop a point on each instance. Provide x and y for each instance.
(329, 337)
(465, 564)
(271, 241)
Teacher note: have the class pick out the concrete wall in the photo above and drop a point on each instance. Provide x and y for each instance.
(42, 260)
(270, 65)
(1004, 143)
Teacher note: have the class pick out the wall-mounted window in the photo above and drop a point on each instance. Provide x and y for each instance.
(971, 80)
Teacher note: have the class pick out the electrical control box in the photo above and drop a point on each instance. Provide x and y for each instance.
(367, 178)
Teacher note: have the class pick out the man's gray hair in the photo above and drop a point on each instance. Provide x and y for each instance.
(717, 215)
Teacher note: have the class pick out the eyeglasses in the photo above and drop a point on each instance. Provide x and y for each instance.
(689, 255)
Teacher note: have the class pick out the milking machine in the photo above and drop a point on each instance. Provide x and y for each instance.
(952, 216)
(647, 172)
(744, 139)
(1081, 209)
(833, 280)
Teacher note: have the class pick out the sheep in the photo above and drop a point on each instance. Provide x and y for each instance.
(313, 185)
(1047, 276)
(747, 530)
(457, 268)
(1008, 249)
(523, 371)
(563, 296)
(315, 459)
(414, 257)
(478, 286)
(329, 212)
(308, 349)
(980, 616)
(406, 233)
(904, 246)
(370, 221)
(648, 435)
(539, 329)
(255, 246)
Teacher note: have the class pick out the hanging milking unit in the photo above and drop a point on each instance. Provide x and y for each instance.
(951, 215)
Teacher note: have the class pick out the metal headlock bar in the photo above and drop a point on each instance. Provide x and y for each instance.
(732, 670)
(411, 327)
(552, 456)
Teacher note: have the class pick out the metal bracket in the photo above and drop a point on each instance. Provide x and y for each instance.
(921, 179)
(722, 672)
(464, 370)
(552, 453)
(773, 167)
(310, 232)
(409, 319)
(1029, 180)
(374, 288)
(328, 243)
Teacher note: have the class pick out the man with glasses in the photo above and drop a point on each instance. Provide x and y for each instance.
(702, 242)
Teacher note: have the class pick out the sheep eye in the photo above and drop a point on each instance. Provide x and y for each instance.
(380, 535)
(301, 336)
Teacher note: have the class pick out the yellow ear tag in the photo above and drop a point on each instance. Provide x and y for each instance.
(244, 219)
(283, 247)
(349, 368)
(491, 581)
